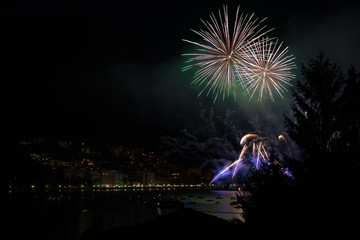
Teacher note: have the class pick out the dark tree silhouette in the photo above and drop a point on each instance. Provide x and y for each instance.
(315, 112)
(325, 126)
(272, 204)
(325, 121)
(346, 141)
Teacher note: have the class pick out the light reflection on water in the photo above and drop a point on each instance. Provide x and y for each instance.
(210, 203)
(77, 212)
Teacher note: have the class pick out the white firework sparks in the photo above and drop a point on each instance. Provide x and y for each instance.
(220, 56)
(266, 68)
(227, 58)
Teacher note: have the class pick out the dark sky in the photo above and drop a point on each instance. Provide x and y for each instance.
(113, 70)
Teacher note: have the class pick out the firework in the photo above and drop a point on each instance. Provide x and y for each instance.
(247, 137)
(254, 158)
(226, 59)
(221, 173)
(282, 138)
(239, 160)
(266, 68)
(220, 57)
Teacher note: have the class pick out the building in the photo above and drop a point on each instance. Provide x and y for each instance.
(96, 178)
(107, 178)
(194, 172)
(193, 176)
(149, 178)
(111, 178)
(118, 178)
(176, 178)
(64, 144)
(134, 178)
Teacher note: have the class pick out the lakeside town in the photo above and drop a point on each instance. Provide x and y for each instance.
(55, 163)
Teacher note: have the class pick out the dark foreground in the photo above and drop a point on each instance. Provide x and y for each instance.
(296, 219)
(187, 223)
(183, 223)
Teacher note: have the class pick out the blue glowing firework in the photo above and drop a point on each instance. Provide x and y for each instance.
(253, 156)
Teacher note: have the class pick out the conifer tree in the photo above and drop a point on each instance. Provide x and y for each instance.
(346, 141)
(315, 111)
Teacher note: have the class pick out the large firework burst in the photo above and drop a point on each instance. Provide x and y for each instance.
(228, 58)
(220, 55)
(266, 67)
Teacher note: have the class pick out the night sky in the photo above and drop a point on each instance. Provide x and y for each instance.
(113, 70)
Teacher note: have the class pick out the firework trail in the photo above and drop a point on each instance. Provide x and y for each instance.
(219, 58)
(255, 157)
(224, 171)
(247, 137)
(266, 68)
(281, 137)
(239, 160)
(226, 59)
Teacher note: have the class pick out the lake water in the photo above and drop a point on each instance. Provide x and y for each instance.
(211, 203)
(67, 215)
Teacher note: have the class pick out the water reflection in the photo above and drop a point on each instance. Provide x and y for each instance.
(69, 214)
(84, 222)
(212, 204)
